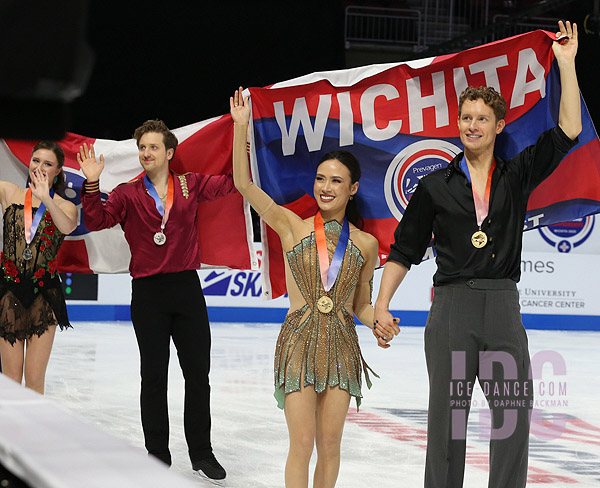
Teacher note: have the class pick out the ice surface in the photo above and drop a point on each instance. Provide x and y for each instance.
(94, 371)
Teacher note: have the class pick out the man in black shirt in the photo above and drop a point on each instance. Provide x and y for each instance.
(475, 210)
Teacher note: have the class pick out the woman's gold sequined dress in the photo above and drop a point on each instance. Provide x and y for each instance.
(320, 349)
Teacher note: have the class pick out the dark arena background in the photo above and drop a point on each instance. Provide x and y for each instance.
(101, 68)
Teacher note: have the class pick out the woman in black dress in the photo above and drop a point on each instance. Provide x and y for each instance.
(32, 304)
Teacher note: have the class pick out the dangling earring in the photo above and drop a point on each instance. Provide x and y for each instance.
(55, 180)
(351, 197)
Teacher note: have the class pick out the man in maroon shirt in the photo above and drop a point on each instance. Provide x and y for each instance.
(158, 215)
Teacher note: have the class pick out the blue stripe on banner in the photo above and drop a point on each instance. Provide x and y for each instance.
(564, 211)
(101, 313)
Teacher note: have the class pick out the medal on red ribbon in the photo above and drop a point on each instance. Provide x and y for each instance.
(32, 221)
(329, 271)
(159, 237)
(482, 205)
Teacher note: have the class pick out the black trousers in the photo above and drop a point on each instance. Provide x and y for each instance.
(165, 306)
(474, 329)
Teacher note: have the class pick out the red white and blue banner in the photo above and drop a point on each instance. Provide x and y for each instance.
(224, 226)
(399, 119)
(400, 122)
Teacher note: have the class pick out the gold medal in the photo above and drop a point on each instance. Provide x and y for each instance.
(325, 304)
(482, 204)
(479, 239)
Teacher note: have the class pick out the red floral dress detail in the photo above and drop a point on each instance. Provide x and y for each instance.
(31, 296)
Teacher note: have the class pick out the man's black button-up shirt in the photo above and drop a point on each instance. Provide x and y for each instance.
(442, 205)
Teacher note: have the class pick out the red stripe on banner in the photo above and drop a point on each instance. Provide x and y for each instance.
(73, 257)
(21, 149)
(513, 48)
(70, 145)
(581, 168)
(221, 223)
(207, 151)
(276, 265)
(383, 230)
(386, 95)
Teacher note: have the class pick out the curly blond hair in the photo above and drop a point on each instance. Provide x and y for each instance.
(489, 96)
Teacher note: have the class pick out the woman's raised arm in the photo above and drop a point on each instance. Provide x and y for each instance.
(277, 217)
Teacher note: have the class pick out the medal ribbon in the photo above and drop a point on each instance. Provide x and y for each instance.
(482, 205)
(329, 272)
(31, 221)
(164, 211)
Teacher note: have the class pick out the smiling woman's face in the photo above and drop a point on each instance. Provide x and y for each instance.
(333, 185)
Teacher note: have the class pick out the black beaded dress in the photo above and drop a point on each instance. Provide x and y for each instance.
(31, 296)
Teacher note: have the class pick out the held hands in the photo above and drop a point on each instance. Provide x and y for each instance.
(86, 158)
(385, 327)
(239, 107)
(40, 187)
(565, 49)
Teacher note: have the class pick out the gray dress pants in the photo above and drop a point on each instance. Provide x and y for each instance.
(474, 329)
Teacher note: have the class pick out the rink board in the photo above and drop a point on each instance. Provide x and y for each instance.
(558, 290)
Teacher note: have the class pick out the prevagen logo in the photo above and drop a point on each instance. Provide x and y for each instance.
(566, 236)
(410, 165)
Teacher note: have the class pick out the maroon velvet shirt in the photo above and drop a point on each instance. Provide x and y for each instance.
(131, 205)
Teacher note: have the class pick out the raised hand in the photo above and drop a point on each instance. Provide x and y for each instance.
(566, 49)
(39, 184)
(86, 157)
(239, 107)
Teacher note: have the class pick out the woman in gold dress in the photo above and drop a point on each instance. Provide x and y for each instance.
(318, 363)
